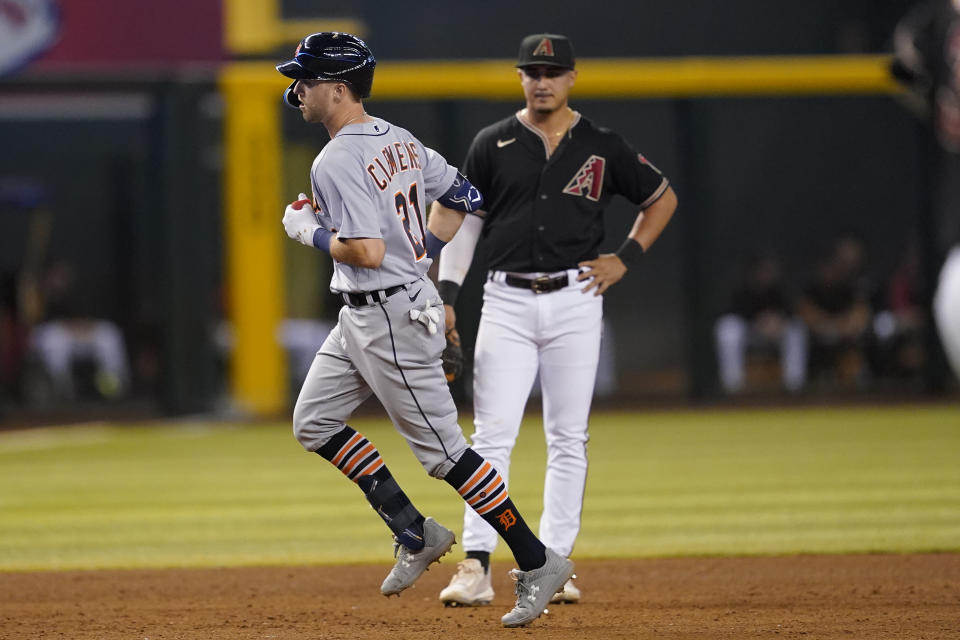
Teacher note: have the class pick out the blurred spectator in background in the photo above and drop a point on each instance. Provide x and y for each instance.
(45, 315)
(760, 321)
(927, 61)
(898, 324)
(926, 51)
(12, 337)
(836, 310)
(68, 336)
(300, 337)
(27, 219)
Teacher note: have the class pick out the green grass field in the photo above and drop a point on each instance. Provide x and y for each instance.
(661, 483)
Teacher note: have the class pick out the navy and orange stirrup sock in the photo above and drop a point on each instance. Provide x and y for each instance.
(481, 486)
(359, 460)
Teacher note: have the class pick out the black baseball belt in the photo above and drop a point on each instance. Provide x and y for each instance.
(364, 298)
(542, 284)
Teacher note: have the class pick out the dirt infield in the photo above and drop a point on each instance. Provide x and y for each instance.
(870, 596)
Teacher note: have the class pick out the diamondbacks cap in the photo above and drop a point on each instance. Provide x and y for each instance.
(546, 48)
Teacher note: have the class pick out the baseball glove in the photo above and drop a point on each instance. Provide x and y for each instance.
(452, 356)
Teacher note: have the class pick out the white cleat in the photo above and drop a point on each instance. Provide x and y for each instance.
(469, 587)
(570, 594)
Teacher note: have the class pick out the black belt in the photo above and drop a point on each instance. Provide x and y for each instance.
(543, 284)
(369, 297)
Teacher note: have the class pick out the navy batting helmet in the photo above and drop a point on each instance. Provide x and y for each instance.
(330, 55)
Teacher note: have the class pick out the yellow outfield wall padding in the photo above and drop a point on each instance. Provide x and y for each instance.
(254, 259)
(248, 25)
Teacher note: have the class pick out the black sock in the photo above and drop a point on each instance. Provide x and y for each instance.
(481, 486)
(360, 461)
(483, 557)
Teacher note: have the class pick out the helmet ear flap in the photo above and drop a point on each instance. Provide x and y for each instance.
(290, 97)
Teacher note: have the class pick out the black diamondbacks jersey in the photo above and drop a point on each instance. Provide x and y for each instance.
(546, 214)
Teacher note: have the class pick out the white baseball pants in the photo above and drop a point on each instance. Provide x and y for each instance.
(58, 343)
(521, 333)
(946, 308)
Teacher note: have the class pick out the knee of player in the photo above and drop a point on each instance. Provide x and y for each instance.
(302, 431)
(440, 467)
(571, 444)
(438, 471)
(310, 430)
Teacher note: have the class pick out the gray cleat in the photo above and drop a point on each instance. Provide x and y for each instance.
(410, 565)
(535, 588)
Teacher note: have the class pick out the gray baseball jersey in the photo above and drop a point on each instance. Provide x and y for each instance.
(374, 180)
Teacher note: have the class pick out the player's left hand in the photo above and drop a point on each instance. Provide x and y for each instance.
(603, 272)
(300, 221)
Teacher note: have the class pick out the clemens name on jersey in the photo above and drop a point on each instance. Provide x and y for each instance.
(397, 157)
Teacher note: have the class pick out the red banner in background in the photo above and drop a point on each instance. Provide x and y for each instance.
(128, 33)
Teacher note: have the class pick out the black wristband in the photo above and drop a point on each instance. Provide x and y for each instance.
(448, 290)
(630, 252)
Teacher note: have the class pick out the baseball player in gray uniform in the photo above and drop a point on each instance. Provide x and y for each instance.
(371, 184)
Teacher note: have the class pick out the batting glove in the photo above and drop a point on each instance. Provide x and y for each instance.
(430, 317)
(300, 221)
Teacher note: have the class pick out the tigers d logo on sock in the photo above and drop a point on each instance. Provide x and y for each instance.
(507, 519)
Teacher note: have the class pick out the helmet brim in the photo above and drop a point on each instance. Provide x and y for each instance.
(295, 70)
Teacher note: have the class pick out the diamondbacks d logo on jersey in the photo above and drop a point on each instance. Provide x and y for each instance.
(588, 182)
(545, 48)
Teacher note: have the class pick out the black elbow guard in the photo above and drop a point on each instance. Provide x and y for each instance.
(462, 196)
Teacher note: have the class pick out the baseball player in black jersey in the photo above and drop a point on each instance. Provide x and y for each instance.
(927, 61)
(365, 213)
(547, 174)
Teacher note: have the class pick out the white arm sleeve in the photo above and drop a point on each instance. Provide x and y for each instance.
(456, 256)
